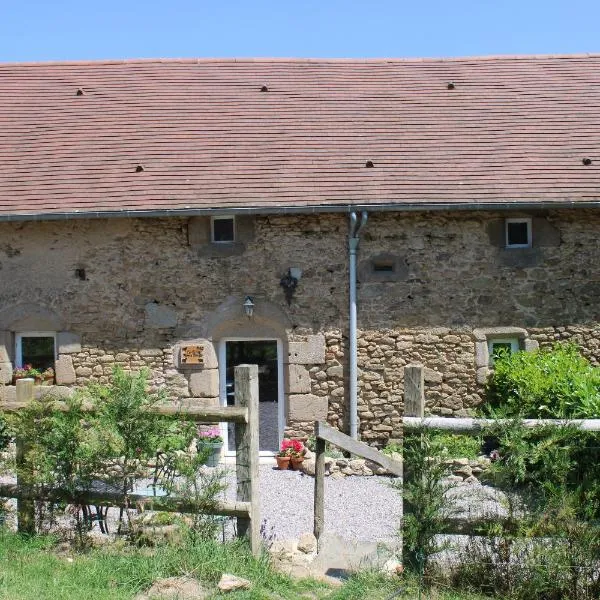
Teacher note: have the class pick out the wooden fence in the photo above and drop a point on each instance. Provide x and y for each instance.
(246, 506)
(414, 419)
(323, 434)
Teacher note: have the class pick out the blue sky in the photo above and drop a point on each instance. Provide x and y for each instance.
(86, 29)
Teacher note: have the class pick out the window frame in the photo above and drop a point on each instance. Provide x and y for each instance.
(212, 229)
(527, 221)
(515, 346)
(19, 344)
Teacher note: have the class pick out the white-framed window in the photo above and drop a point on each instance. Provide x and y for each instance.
(498, 346)
(222, 230)
(35, 348)
(518, 233)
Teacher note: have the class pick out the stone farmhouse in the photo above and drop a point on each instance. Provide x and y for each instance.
(190, 215)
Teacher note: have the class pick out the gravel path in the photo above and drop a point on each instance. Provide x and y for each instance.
(356, 508)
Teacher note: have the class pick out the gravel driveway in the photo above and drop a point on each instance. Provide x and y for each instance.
(356, 508)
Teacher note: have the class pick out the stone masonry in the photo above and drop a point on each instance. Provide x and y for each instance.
(131, 291)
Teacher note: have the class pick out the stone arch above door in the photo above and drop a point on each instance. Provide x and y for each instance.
(229, 319)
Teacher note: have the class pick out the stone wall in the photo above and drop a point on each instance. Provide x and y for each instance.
(133, 290)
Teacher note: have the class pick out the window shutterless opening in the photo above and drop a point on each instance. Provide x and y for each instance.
(383, 267)
(518, 233)
(223, 229)
(36, 348)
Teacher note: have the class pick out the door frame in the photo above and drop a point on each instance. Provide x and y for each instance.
(223, 388)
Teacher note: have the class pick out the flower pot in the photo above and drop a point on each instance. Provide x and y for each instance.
(214, 451)
(297, 462)
(283, 462)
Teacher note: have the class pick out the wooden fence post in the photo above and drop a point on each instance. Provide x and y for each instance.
(246, 446)
(25, 508)
(319, 506)
(414, 406)
(414, 392)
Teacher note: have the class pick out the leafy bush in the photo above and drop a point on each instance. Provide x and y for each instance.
(548, 383)
(6, 434)
(116, 442)
(425, 506)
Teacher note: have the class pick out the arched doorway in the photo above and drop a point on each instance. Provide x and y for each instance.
(262, 340)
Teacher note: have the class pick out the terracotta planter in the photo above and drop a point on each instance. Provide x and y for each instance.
(283, 462)
(297, 462)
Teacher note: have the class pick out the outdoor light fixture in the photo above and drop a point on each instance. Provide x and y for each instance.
(249, 306)
(289, 282)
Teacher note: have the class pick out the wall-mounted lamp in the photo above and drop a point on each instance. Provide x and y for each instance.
(248, 306)
(289, 282)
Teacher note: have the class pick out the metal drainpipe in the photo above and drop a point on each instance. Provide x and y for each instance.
(353, 240)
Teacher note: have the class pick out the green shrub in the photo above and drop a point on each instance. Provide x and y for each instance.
(548, 383)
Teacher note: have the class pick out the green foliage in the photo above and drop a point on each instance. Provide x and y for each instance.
(33, 568)
(553, 383)
(6, 434)
(425, 505)
(450, 445)
(116, 442)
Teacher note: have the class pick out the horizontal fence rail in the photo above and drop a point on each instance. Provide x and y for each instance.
(414, 420)
(245, 417)
(465, 425)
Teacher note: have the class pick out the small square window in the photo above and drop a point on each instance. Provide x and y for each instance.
(518, 233)
(223, 229)
(37, 349)
(497, 347)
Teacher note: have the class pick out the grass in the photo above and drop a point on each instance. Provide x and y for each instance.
(34, 568)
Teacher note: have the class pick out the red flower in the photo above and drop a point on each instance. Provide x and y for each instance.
(292, 448)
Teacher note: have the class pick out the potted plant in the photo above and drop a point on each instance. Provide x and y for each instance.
(48, 376)
(210, 440)
(27, 372)
(291, 453)
(297, 455)
(284, 455)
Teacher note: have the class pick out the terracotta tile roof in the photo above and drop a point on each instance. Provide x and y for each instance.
(513, 129)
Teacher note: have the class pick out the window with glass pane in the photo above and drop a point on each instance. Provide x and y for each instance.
(518, 233)
(37, 352)
(223, 229)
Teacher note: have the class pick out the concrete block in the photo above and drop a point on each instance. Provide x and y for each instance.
(482, 355)
(158, 316)
(8, 393)
(64, 370)
(311, 352)
(307, 407)
(6, 372)
(298, 380)
(68, 343)
(205, 383)
(530, 345)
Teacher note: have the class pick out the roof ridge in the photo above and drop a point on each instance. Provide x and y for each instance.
(208, 60)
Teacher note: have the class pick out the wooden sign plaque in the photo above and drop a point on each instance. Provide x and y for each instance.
(192, 355)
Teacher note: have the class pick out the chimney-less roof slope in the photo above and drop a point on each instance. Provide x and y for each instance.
(513, 129)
